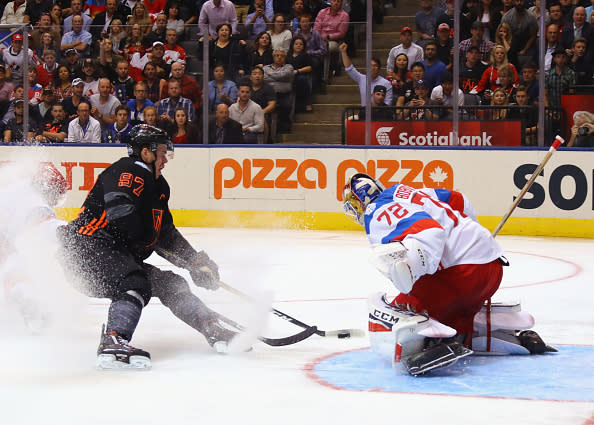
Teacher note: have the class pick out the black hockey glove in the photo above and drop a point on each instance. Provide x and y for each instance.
(205, 272)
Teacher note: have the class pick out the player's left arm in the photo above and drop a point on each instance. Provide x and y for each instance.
(457, 201)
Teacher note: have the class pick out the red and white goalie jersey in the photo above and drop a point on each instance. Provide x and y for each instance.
(441, 221)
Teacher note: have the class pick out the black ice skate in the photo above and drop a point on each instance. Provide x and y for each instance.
(114, 352)
(218, 337)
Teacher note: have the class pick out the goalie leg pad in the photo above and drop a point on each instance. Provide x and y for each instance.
(396, 333)
(503, 320)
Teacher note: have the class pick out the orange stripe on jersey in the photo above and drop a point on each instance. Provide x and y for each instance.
(418, 227)
(93, 225)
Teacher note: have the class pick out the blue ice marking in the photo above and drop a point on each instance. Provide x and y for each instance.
(567, 375)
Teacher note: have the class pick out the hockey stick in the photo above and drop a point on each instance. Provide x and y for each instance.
(558, 142)
(275, 342)
(341, 333)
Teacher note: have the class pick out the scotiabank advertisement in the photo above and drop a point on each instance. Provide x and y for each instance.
(213, 180)
(436, 133)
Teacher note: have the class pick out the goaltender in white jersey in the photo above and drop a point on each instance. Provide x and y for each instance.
(446, 267)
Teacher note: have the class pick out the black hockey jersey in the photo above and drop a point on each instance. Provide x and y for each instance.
(129, 206)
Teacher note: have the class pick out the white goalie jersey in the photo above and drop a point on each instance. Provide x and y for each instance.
(439, 221)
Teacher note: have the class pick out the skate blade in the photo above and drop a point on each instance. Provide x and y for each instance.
(109, 362)
(442, 363)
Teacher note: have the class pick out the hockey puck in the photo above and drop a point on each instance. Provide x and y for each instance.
(343, 335)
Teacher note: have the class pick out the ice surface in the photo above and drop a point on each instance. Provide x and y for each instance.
(322, 278)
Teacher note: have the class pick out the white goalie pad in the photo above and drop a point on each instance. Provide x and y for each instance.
(520, 320)
(395, 333)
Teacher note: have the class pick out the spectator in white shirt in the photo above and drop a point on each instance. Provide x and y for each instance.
(85, 128)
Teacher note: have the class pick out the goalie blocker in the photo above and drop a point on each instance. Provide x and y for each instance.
(419, 344)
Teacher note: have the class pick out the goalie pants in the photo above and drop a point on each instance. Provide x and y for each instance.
(454, 295)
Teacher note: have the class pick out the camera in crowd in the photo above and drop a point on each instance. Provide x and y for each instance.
(583, 131)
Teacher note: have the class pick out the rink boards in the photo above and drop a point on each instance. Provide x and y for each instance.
(297, 187)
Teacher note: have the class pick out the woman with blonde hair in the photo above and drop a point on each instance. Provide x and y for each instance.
(280, 36)
(500, 98)
(490, 78)
(503, 36)
(117, 36)
(141, 17)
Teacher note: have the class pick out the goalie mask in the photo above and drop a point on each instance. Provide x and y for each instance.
(360, 191)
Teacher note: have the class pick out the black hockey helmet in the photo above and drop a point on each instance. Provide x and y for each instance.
(144, 135)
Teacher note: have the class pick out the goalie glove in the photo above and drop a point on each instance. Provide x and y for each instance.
(401, 265)
(204, 272)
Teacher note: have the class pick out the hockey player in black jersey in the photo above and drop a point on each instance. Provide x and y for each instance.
(123, 220)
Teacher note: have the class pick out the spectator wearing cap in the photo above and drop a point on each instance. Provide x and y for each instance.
(477, 32)
(417, 105)
(47, 70)
(90, 78)
(173, 51)
(77, 39)
(72, 62)
(84, 128)
(524, 28)
(14, 12)
(41, 111)
(156, 56)
(14, 58)
(332, 23)
(213, 13)
(76, 6)
(379, 106)
(471, 70)
(190, 89)
(426, 21)
(159, 33)
(444, 45)
(433, 66)
(413, 51)
(71, 103)
(443, 95)
(361, 79)
(13, 132)
(104, 104)
(559, 79)
(447, 17)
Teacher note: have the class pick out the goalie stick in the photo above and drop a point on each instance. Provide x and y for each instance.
(556, 144)
(340, 333)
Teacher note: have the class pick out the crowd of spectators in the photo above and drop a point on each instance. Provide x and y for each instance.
(97, 67)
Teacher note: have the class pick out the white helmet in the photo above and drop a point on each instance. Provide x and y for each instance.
(359, 191)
